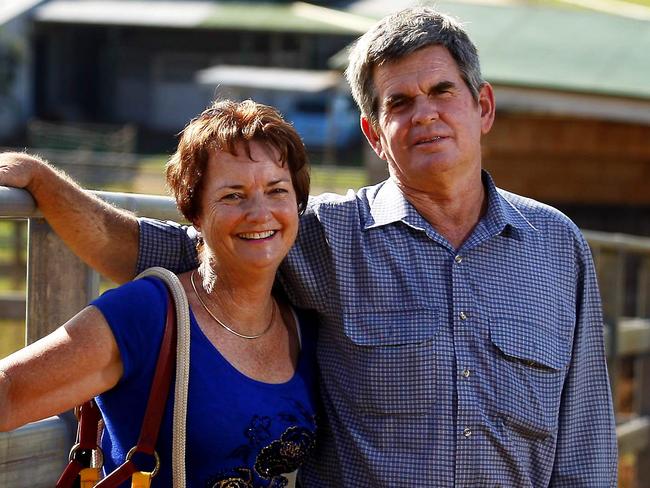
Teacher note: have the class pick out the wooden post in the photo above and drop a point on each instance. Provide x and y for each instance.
(34, 455)
(18, 264)
(610, 266)
(642, 400)
(643, 290)
(642, 367)
(58, 286)
(58, 283)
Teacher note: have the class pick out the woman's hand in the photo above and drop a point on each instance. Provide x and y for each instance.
(104, 237)
(20, 170)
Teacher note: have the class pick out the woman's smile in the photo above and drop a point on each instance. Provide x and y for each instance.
(249, 211)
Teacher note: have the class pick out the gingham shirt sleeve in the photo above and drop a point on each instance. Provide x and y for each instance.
(586, 453)
(166, 244)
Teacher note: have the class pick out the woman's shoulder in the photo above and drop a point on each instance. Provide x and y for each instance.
(138, 290)
(133, 301)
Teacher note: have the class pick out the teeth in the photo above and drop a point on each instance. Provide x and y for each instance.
(433, 139)
(257, 235)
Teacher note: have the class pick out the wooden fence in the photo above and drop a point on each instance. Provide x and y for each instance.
(59, 285)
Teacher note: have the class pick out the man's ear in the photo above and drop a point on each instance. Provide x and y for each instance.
(372, 137)
(488, 106)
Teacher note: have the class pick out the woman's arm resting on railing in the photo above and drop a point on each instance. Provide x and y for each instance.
(105, 237)
(74, 363)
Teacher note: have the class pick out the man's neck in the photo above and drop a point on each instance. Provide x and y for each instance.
(453, 208)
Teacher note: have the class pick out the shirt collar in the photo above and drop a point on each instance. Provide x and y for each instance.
(389, 206)
(502, 217)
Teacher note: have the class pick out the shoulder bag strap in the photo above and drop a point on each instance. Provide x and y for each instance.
(182, 370)
(173, 338)
(155, 407)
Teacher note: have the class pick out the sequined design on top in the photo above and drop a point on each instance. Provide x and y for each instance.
(282, 455)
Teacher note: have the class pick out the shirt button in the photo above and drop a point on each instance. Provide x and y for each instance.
(467, 432)
(466, 373)
(463, 316)
(458, 259)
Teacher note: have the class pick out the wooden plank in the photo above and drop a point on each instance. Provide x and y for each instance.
(633, 336)
(633, 435)
(643, 288)
(642, 407)
(34, 456)
(618, 242)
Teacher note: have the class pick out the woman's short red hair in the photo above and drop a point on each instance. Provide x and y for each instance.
(222, 127)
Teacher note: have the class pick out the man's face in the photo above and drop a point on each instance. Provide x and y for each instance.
(429, 125)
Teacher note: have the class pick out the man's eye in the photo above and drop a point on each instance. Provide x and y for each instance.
(395, 104)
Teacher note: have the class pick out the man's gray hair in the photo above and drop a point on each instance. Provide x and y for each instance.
(400, 34)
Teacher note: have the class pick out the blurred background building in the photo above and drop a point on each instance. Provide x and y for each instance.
(572, 84)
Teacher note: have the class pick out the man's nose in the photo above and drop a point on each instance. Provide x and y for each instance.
(425, 110)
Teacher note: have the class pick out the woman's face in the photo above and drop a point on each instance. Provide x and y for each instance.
(249, 212)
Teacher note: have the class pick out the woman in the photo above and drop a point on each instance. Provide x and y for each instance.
(240, 176)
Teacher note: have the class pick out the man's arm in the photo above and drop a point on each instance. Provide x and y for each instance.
(106, 238)
(586, 453)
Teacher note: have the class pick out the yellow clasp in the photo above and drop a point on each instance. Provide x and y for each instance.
(141, 479)
(88, 477)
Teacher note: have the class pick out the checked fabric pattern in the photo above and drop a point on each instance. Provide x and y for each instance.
(482, 366)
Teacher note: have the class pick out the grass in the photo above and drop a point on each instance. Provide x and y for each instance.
(13, 336)
(10, 278)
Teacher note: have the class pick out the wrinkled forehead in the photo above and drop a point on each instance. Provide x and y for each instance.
(433, 59)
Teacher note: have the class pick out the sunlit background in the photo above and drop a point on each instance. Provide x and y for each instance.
(101, 88)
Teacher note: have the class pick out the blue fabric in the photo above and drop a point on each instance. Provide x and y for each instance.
(481, 366)
(237, 429)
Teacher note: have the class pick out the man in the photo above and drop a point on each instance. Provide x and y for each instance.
(462, 340)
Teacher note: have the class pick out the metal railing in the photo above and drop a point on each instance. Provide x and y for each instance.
(59, 285)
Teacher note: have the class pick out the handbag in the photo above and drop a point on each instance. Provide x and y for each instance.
(174, 349)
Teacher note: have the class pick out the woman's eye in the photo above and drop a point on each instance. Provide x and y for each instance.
(279, 190)
(232, 196)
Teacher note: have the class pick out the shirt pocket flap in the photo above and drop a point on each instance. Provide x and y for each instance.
(533, 344)
(391, 327)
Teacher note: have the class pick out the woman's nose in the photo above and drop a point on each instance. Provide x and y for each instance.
(258, 209)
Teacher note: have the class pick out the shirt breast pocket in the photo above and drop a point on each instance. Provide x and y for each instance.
(532, 358)
(391, 360)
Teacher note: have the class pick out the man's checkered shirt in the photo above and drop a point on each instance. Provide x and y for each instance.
(482, 366)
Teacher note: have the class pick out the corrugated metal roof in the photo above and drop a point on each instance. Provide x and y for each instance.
(309, 81)
(287, 17)
(555, 48)
(126, 12)
(9, 9)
